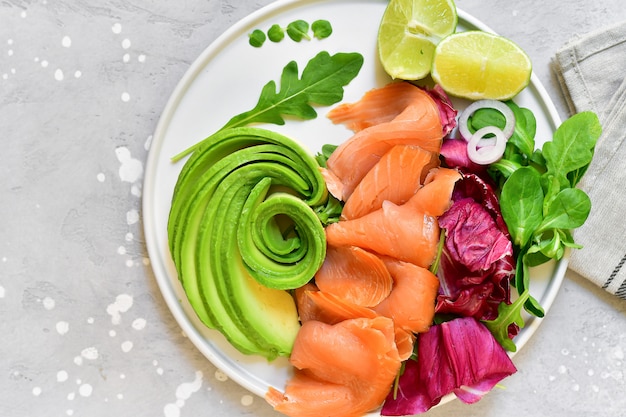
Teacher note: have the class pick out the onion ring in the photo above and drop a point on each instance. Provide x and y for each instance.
(488, 153)
(506, 111)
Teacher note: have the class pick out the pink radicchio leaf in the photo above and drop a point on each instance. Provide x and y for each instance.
(473, 238)
(459, 356)
(477, 261)
(447, 112)
(454, 155)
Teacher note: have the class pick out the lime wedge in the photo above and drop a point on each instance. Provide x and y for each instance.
(480, 65)
(409, 32)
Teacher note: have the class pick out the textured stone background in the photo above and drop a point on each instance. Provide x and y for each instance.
(84, 330)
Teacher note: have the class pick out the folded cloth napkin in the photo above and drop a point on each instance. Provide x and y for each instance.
(590, 69)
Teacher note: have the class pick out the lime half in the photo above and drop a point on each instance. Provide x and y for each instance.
(481, 65)
(409, 32)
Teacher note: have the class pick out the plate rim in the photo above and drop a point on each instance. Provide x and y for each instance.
(164, 281)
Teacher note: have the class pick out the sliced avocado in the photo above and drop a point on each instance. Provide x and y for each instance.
(232, 200)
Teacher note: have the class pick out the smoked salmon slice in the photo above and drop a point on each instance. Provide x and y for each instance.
(416, 123)
(411, 303)
(398, 231)
(408, 232)
(396, 178)
(354, 275)
(435, 197)
(342, 370)
(330, 309)
(378, 105)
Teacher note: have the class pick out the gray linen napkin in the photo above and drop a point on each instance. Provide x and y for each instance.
(591, 71)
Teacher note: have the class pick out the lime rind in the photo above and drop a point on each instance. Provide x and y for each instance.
(481, 65)
(409, 32)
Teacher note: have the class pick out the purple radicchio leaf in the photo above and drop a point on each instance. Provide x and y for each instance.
(477, 261)
(459, 356)
(447, 112)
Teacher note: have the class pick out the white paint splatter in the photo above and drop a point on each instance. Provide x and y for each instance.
(44, 63)
(576, 387)
(141, 58)
(85, 390)
(125, 97)
(618, 353)
(90, 320)
(247, 400)
(126, 58)
(117, 28)
(2, 291)
(130, 263)
(129, 237)
(120, 396)
(66, 42)
(71, 396)
(101, 177)
(90, 353)
(135, 190)
(127, 346)
(62, 327)
(562, 369)
(126, 43)
(131, 169)
(132, 217)
(37, 391)
(58, 74)
(69, 412)
(112, 333)
(62, 376)
(159, 371)
(78, 360)
(183, 393)
(139, 324)
(48, 303)
(10, 52)
(147, 143)
(221, 376)
(77, 74)
(121, 250)
(122, 304)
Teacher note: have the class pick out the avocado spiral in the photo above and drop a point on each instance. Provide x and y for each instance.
(244, 207)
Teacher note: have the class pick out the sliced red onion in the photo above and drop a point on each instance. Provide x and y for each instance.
(506, 111)
(485, 153)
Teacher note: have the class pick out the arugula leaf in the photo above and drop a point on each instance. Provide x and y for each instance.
(322, 83)
(507, 314)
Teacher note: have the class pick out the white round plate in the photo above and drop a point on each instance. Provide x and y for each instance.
(226, 80)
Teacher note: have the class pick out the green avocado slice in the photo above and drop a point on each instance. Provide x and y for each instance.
(243, 230)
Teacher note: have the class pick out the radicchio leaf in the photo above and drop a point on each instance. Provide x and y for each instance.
(477, 261)
(447, 112)
(459, 356)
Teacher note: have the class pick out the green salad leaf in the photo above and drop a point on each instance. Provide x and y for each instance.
(539, 200)
(321, 83)
(298, 30)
